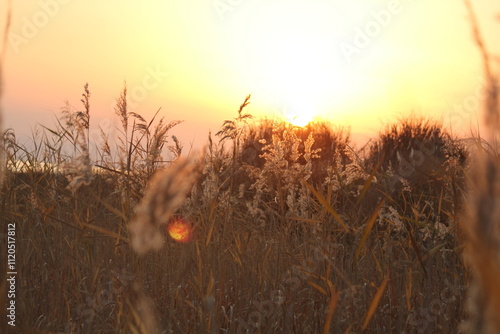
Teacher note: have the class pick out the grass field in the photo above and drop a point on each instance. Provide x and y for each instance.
(271, 228)
(289, 230)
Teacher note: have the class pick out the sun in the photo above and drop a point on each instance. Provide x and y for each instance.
(291, 54)
(299, 116)
(299, 120)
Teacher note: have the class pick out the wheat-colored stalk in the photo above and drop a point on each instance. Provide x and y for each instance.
(167, 190)
(2, 64)
(482, 224)
(81, 166)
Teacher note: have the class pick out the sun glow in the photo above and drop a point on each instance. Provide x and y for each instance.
(299, 117)
(292, 57)
(299, 120)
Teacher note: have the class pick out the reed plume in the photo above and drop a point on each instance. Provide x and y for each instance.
(167, 190)
(481, 228)
(80, 169)
(2, 64)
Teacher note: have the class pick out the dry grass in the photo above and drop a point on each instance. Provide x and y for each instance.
(276, 247)
(3, 51)
(481, 228)
(294, 230)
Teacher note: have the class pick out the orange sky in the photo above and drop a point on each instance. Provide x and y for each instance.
(356, 63)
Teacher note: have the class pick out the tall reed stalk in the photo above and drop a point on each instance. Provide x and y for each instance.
(2, 66)
(481, 229)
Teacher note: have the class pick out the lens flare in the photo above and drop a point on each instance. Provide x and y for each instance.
(180, 230)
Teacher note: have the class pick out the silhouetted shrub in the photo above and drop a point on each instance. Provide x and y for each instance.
(418, 151)
(421, 169)
(331, 142)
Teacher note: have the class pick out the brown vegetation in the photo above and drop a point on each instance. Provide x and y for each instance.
(307, 237)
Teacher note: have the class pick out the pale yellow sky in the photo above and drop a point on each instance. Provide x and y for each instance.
(356, 63)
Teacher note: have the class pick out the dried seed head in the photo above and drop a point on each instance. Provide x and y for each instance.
(167, 190)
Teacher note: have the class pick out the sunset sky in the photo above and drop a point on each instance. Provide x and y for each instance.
(355, 63)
